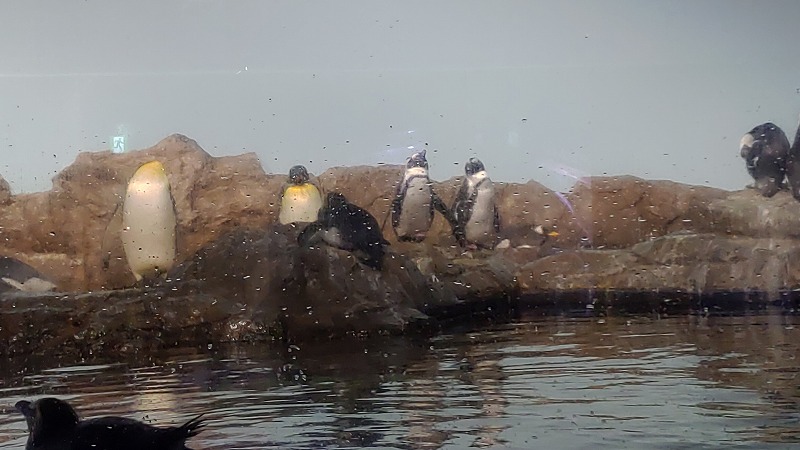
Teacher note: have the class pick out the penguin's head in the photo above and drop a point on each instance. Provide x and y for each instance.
(298, 175)
(473, 166)
(335, 200)
(417, 160)
(47, 418)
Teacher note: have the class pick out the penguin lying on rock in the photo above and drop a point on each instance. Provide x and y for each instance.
(16, 275)
(346, 226)
(54, 425)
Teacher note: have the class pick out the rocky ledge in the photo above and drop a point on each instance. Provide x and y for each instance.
(243, 277)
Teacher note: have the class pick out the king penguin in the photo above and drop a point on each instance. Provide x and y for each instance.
(301, 200)
(415, 201)
(765, 150)
(149, 222)
(476, 222)
(344, 225)
(793, 166)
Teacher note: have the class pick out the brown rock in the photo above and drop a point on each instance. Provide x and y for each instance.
(748, 213)
(617, 212)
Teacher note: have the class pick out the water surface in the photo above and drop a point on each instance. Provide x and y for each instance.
(538, 382)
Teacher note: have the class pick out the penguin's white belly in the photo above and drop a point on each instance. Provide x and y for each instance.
(300, 204)
(148, 228)
(415, 216)
(480, 226)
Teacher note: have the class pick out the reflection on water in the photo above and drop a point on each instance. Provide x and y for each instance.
(538, 382)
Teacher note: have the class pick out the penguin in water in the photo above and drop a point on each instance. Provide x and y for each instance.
(344, 225)
(415, 201)
(149, 223)
(300, 200)
(16, 275)
(793, 166)
(765, 150)
(476, 222)
(54, 425)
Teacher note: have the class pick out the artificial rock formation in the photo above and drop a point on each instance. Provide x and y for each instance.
(243, 275)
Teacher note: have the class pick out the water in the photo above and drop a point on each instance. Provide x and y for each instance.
(554, 382)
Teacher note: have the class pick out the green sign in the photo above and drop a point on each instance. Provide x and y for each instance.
(118, 144)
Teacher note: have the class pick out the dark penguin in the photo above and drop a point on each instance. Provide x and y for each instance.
(793, 166)
(765, 150)
(16, 275)
(415, 201)
(346, 226)
(474, 213)
(54, 425)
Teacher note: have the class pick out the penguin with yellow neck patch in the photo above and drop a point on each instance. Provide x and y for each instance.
(149, 223)
(301, 200)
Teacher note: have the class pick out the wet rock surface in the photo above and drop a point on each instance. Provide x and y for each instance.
(241, 276)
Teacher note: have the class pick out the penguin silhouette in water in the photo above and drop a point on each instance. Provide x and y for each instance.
(54, 425)
(765, 150)
(474, 216)
(415, 202)
(300, 200)
(793, 166)
(346, 226)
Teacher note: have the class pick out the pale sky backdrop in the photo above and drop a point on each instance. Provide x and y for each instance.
(543, 90)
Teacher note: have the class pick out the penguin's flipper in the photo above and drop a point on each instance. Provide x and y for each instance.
(397, 205)
(439, 205)
(496, 220)
(310, 234)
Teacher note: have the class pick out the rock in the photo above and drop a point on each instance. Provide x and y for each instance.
(310, 291)
(616, 212)
(700, 263)
(5, 192)
(748, 213)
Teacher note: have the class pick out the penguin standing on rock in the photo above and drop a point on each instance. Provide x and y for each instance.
(793, 166)
(765, 150)
(54, 425)
(474, 216)
(149, 223)
(344, 225)
(300, 200)
(413, 206)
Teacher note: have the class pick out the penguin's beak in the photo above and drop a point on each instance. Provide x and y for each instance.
(24, 407)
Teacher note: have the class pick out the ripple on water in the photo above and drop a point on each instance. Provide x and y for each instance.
(555, 383)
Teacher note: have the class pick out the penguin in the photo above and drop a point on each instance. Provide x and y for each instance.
(344, 225)
(476, 222)
(16, 275)
(149, 223)
(793, 166)
(54, 425)
(301, 200)
(415, 201)
(765, 150)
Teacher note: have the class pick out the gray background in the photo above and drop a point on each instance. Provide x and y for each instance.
(544, 90)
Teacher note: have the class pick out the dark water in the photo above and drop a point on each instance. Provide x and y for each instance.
(685, 382)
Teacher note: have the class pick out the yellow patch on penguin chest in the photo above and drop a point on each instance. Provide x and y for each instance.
(300, 204)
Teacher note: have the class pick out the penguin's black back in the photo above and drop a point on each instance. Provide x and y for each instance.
(359, 230)
(121, 433)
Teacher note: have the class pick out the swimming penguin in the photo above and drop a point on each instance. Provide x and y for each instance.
(149, 222)
(346, 226)
(300, 200)
(415, 201)
(474, 212)
(793, 166)
(765, 150)
(16, 275)
(54, 425)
